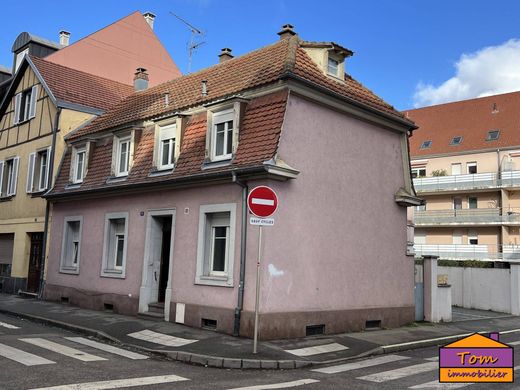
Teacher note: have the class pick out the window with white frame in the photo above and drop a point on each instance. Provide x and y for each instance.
(38, 171)
(79, 156)
(25, 104)
(472, 167)
(333, 66)
(9, 176)
(215, 249)
(472, 237)
(19, 57)
(115, 247)
(166, 147)
(222, 135)
(418, 172)
(122, 155)
(71, 245)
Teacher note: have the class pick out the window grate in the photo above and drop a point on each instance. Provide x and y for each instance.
(314, 330)
(108, 306)
(372, 324)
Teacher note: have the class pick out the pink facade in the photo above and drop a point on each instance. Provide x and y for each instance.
(336, 255)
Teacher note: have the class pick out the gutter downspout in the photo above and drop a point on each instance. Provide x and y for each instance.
(243, 239)
(47, 202)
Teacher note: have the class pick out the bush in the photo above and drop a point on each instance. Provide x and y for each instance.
(440, 172)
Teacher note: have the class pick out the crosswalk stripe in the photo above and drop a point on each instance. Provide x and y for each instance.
(107, 348)
(283, 385)
(432, 359)
(316, 350)
(440, 386)
(361, 364)
(63, 350)
(8, 326)
(118, 383)
(160, 338)
(26, 358)
(400, 372)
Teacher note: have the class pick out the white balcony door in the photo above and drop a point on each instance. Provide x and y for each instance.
(419, 238)
(457, 238)
(457, 203)
(456, 169)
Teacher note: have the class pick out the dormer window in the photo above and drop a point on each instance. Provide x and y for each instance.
(426, 144)
(333, 67)
(493, 135)
(166, 152)
(79, 156)
(222, 135)
(25, 105)
(456, 140)
(122, 155)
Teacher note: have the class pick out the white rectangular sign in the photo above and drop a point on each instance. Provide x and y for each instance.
(261, 221)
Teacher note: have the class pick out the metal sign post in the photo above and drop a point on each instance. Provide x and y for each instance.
(262, 202)
(255, 340)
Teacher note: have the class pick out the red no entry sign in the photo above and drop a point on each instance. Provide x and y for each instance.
(262, 201)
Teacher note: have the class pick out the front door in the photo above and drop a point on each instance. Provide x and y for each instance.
(35, 262)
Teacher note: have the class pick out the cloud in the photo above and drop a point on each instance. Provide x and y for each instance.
(488, 71)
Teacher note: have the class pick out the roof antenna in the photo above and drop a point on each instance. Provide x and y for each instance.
(192, 44)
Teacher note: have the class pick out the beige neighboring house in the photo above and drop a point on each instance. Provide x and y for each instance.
(44, 103)
(465, 160)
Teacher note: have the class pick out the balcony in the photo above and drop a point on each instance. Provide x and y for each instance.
(470, 252)
(460, 217)
(510, 179)
(456, 182)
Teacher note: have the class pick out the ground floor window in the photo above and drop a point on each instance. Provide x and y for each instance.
(6, 253)
(71, 246)
(115, 247)
(215, 251)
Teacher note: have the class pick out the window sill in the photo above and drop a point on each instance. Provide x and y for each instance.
(208, 164)
(116, 179)
(37, 194)
(217, 281)
(72, 186)
(69, 270)
(160, 172)
(112, 273)
(22, 122)
(6, 198)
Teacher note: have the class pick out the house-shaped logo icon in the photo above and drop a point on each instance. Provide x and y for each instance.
(476, 358)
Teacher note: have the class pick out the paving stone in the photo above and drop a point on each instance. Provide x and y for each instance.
(269, 364)
(250, 363)
(285, 364)
(199, 359)
(232, 363)
(215, 362)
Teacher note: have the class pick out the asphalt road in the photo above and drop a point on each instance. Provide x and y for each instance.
(35, 356)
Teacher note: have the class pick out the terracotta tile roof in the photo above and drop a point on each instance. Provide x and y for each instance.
(260, 67)
(74, 86)
(259, 136)
(472, 120)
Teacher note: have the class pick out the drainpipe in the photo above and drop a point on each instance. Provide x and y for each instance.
(47, 203)
(243, 238)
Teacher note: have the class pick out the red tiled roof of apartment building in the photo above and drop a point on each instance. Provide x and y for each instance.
(74, 86)
(259, 135)
(260, 67)
(470, 119)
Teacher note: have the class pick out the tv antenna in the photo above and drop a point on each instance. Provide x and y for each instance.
(194, 42)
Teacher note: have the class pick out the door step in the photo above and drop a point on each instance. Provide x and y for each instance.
(157, 307)
(150, 315)
(27, 294)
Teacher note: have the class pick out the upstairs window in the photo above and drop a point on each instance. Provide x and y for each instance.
(456, 140)
(418, 172)
(333, 67)
(472, 167)
(493, 135)
(122, 155)
(78, 164)
(222, 135)
(166, 152)
(25, 105)
(8, 177)
(38, 171)
(426, 144)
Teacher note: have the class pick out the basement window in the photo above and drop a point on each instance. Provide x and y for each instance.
(426, 144)
(209, 324)
(314, 330)
(493, 135)
(456, 141)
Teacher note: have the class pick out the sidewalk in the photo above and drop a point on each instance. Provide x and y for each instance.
(205, 347)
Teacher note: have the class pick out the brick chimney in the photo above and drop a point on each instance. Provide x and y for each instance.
(225, 54)
(140, 79)
(64, 38)
(150, 18)
(287, 31)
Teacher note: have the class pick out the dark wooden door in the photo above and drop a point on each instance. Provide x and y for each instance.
(35, 262)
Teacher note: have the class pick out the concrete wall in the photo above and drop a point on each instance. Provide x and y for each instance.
(480, 288)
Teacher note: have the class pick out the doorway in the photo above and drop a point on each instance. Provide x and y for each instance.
(35, 262)
(155, 293)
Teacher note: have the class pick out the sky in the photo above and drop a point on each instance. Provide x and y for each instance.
(412, 53)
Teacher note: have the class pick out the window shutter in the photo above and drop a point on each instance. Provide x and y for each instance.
(34, 98)
(16, 162)
(17, 103)
(30, 173)
(49, 178)
(1, 177)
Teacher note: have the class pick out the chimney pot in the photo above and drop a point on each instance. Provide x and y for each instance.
(150, 18)
(64, 38)
(287, 31)
(140, 79)
(225, 54)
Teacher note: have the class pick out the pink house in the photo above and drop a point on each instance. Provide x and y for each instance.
(149, 212)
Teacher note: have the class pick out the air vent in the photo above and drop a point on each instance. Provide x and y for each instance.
(64, 299)
(209, 324)
(372, 324)
(314, 330)
(108, 306)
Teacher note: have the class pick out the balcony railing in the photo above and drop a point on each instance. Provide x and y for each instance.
(456, 182)
(460, 216)
(470, 252)
(510, 178)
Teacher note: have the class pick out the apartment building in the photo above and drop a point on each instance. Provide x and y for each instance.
(465, 161)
